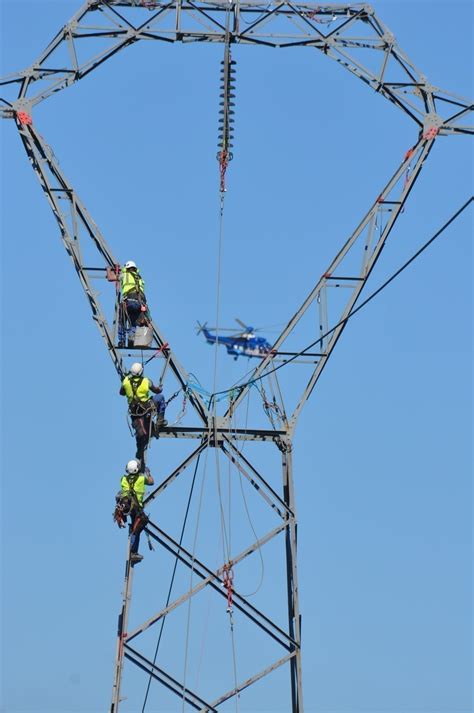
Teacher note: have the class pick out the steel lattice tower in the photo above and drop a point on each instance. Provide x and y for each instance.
(339, 32)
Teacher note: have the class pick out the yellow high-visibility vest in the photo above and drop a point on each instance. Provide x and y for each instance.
(134, 483)
(131, 281)
(137, 388)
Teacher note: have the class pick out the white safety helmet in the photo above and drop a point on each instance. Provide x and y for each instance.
(136, 369)
(132, 467)
(129, 264)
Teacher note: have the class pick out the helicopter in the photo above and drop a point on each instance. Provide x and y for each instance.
(240, 343)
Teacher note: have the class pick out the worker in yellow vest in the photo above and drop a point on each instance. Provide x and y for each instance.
(133, 307)
(130, 502)
(142, 406)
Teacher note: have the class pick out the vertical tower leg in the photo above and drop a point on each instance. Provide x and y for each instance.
(294, 619)
(121, 634)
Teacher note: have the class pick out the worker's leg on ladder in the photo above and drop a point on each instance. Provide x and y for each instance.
(122, 325)
(160, 403)
(133, 311)
(134, 536)
(141, 436)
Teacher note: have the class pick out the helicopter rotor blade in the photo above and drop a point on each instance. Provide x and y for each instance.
(267, 327)
(222, 329)
(201, 327)
(245, 326)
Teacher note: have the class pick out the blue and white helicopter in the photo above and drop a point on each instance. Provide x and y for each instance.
(241, 343)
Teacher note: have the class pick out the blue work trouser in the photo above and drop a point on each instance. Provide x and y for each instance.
(160, 403)
(132, 309)
(135, 537)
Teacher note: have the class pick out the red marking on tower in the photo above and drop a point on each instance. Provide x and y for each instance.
(24, 118)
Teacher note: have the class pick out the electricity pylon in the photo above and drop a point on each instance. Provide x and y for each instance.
(339, 32)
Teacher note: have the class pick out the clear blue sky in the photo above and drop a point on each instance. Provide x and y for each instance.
(382, 451)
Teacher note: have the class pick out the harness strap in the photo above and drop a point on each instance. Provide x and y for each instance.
(138, 288)
(136, 279)
(136, 406)
(132, 479)
(135, 383)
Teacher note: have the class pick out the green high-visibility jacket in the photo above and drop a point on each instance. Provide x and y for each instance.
(137, 388)
(134, 483)
(131, 281)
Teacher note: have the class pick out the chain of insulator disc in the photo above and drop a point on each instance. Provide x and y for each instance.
(226, 114)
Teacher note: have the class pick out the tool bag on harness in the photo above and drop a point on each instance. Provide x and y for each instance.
(122, 509)
(123, 505)
(126, 503)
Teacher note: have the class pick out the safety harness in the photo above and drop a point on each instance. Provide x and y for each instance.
(137, 407)
(138, 293)
(126, 503)
(122, 508)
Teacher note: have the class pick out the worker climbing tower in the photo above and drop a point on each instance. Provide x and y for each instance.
(218, 425)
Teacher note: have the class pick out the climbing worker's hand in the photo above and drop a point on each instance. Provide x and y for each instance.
(148, 477)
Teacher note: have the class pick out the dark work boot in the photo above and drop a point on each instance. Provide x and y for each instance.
(161, 421)
(135, 557)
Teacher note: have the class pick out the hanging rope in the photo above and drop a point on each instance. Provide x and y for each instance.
(182, 412)
(224, 156)
(234, 657)
(168, 598)
(244, 499)
(191, 574)
(213, 402)
(282, 405)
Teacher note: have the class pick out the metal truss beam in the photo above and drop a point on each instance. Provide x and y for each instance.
(215, 580)
(238, 434)
(354, 37)
(347, 34)
(76, 226)
(390, 201)
(256, 480)
(253, 679)
(164, 678)
(121, 634)
(289, 640)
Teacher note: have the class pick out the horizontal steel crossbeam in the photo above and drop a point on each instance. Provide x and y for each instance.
(328, 29)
